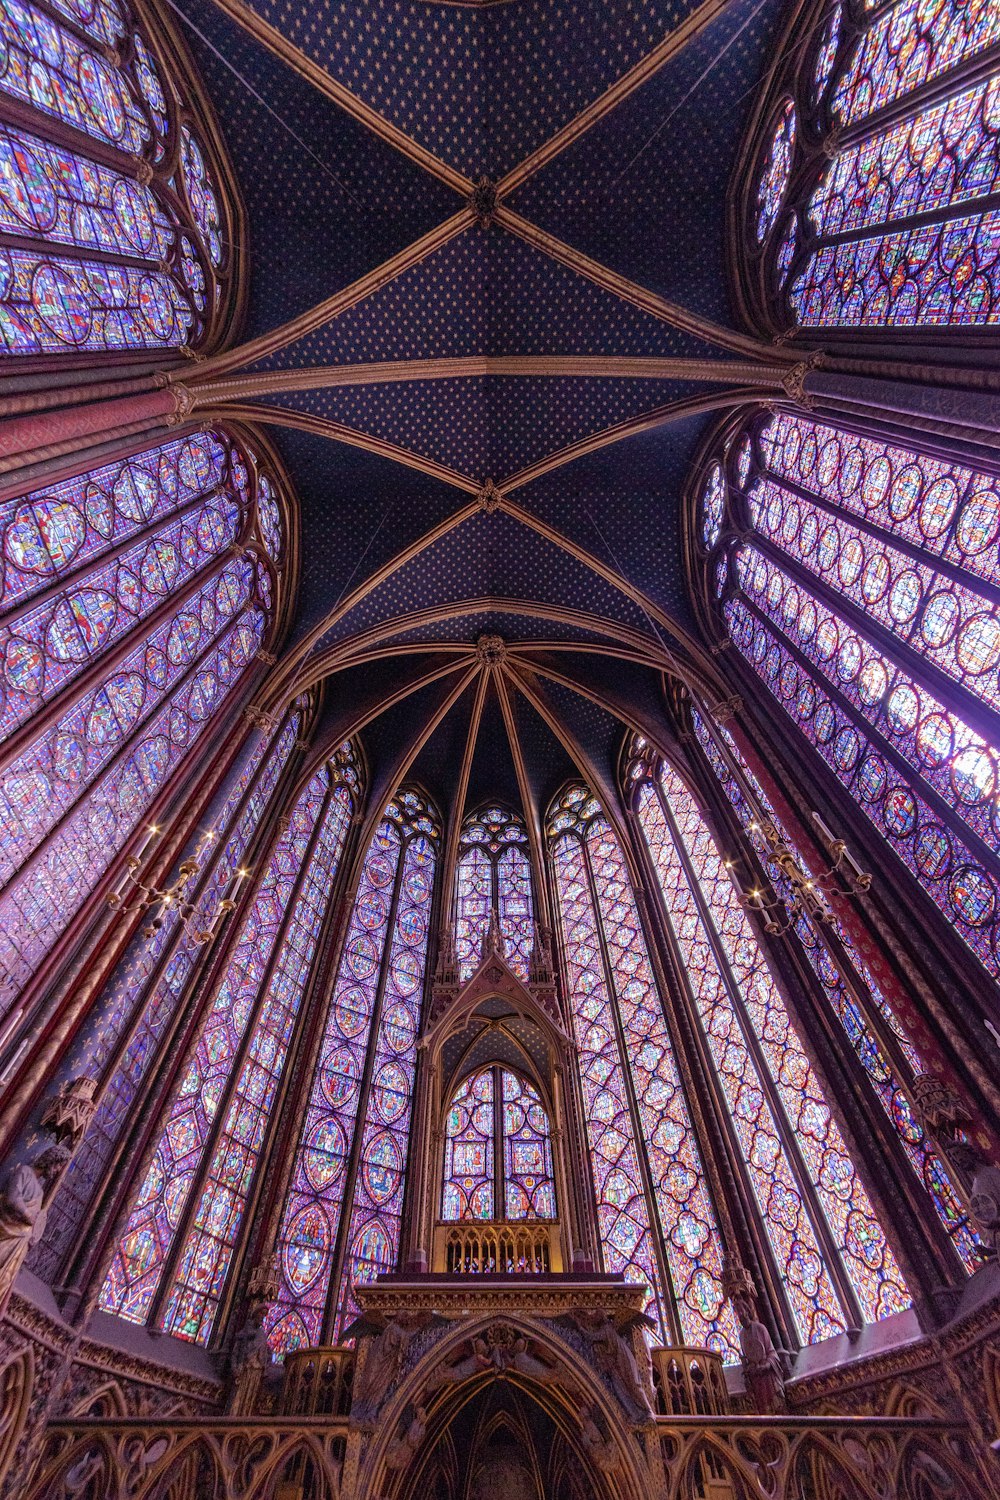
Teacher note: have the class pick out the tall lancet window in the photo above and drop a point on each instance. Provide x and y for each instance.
(497, 1150)
(493, 881)
(655, 1213)
(874, 202)
(133, 599)
(865, 597)
(113, 235)
(343, 1209)
(880, 1040)
(173, 1258)
(121, 1042)
(832, 1255)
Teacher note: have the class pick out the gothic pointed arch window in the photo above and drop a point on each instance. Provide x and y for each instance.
(864, 596)
(134, 600)
(121, 1042)
(831, 1252)
(342, 1216)
(497, 1150)
(493, 878)
(655, 1213)
(115, 234)
(880, 1039)
(173, 1258)
(871, 196)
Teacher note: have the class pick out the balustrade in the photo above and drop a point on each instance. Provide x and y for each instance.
(497, 1248)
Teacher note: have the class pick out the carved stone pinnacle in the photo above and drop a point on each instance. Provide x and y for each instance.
(491, 650)
(68, 1114)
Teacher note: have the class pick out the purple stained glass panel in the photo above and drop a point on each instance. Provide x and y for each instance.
(162, 1196)
(127, 1002)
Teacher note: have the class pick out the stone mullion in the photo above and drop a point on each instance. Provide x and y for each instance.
(582, 1204)
(418, 1174)
(304, 1060)
(939, 564)
(825, 932)
(90, 254)
(22, 116)
(104, 664)
(202, 960)
(108, 1204)
(122, 752)
(941, 807)
(98, 951)
(183, 1229)
(740, 1221)
(134, 1148)
(810, 1197)
(339, 1260)
(961, 209)
(668, 1299)
(906, 952)
(943, 86)
(954, 695)
(272, 1180)
(918, 1239)
(201, 885)
(75, 577)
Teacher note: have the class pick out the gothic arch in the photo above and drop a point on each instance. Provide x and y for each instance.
(573, 1389)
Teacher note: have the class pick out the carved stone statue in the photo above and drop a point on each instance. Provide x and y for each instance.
(612, 1356)
(763, 1364)
(601, 1450)
(403, 1448)
(471, 1359)
(982, 1180)
(382, 1366)
(984, 1200)
(251, 1368)
(27, 1191)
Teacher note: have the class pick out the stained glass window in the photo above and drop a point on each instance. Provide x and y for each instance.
(232, 1072)
(859, 1005)
(498, 1150)
(797, 1161)
(494, 880)
(370, 1032)
(898, 222)
(655, 1214)
(127, 615)
(866, 600)
(120, 1042)
(114, 246)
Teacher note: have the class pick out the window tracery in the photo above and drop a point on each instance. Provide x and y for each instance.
(215, 1127)
(877, 210)
(865, 598)
(885, 1051)
(349, 1169)
(798, 1163)
(112, 233)
(493, 877)
(498, 1150)
(130, 610)
(121, 1042)
(655, 1214)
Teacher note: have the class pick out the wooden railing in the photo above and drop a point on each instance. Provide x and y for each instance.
(689, 1383)
(496, 1248)
(318, 1382)
(704, 1458)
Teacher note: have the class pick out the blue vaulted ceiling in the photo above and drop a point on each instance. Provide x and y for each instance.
(359, 127)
